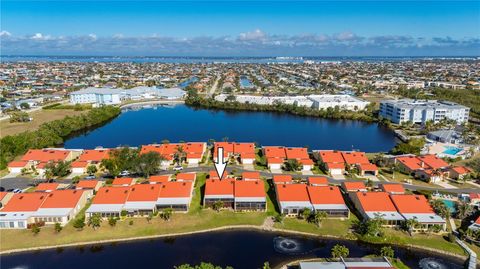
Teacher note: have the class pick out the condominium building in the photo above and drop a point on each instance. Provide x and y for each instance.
(420, 111)
(98, 96)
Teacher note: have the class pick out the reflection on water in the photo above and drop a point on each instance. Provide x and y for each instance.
(432, 263)
(288, 246)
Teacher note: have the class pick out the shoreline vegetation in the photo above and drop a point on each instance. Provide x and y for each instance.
(367, 115)
(53, 133)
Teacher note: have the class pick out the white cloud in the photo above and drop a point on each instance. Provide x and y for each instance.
(93, 36)
(256, 35)
(5, 34)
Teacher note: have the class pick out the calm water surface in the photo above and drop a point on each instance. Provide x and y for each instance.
(240, 249)
(180, 122)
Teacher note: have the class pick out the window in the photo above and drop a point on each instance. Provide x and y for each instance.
(12, 224)
(21, 224)
(3, 224)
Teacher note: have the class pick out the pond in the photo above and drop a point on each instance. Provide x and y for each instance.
(237, 248)
(150, 124)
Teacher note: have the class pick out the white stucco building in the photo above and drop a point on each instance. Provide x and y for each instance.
(98, 96)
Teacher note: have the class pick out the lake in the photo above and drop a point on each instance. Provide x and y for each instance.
(237, 248)
(175, 123)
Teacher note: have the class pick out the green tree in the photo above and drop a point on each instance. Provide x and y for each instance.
(387, 251)
(95, 221)
(19, 116)
(410, 225)
(57, 169)
(217, 205)
(112, 221)
(91, 169)
(292, 165)
(149, 217)
(266, 265)
(24, 106)
(340, 251)
(180, 155)
(166, 214)
(306, 213)
(371, 227)
(319, 217)
(463, 210)
(35, 229)
(58, 227)
(148, 163)
(440, 208)
(122, 159)
(79, 223)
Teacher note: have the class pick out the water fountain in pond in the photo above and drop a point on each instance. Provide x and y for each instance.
(289, 246)
(431, 263)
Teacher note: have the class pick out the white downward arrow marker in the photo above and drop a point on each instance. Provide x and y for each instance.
(220, 165)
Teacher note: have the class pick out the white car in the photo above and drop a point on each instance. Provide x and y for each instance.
(17, 191)
(177, 168)
(124, 173)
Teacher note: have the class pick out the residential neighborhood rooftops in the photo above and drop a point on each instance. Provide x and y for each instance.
(292, 192)
(251, 175)
(249, 189)
(111, 195)
(87, 184)
(282, 179)
(45, 155)
(144, 192)
(62, 199)
(176, 189)
(393, 188)
(433, 161)
(410, 203)
(123, 181)
(214, 187)
(47, 186)
(186, 177)
(274, 152)
(331, 156)
(159, 178)
(296, 153)
(325, 195)
(318, 181)
(94, 155)
(354, 186)
(354, 157)
(17, 163)
(375, 202)
(25, 202)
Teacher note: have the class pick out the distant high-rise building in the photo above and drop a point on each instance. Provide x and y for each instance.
(420, 111)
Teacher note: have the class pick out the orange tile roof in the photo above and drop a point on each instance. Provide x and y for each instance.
(244, 148)
(214, 175)
(47, 186)
(354, 157)
(318, 180)
(292, 192)
(62, 199)
(25, 202)
(411, 204)
(282, 179)
(153, 147)
(17, 163)
(249, 189)
(111, 195)
(186, 177)
(219, 187)
(119, 181)
(194, 147)
(144, 192)
(461, 170)
(335, 165)
(159, 178)
(274, 152)
(79, 164)
(3, 194)
(325, 195)
(305, 161)
(329, 156)
(275, 160)
(87, 184)
(45, 155)
(227, 148)
(393, 188)
(251, 175)
(94, 155)
(296, 153)
(375, 201)
(433, 161)
(368, 167)
(411, 162)
(354, 185)
(176, 189)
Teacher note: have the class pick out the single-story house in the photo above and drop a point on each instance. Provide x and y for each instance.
(328, 199)
(250, 196)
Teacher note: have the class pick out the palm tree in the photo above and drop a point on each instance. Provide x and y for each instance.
(410, 225)
(463, 210)
(180, 155)
(440, 208)
(319, 217)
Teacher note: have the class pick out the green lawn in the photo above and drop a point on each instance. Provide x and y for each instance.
(334, 227)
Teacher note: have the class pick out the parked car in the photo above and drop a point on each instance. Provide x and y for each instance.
(177, 168)
(17, 191)
(89, 177)
(124, 173)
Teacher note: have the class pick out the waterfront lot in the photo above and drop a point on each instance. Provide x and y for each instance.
(39, 117)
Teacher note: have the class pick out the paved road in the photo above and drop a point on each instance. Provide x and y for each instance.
(213, 89)
(22, 183)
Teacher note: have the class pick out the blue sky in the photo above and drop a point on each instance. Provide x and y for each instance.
(233, 28)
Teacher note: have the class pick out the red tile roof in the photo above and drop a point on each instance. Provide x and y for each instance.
(296, 153)
(227, 148)
(393, 188)
(368, 167)
(282, 179)
(242, 148)
(354, 186)
(94, 155)
(317, 180)
(47, 186)
(292, 192)
(274, 152)
(159, 179)
(62, 199)
(87, 184)
(411, 204)
(354, 157)
(251, 175)
(375, 201)
(461, 170)
(249, 189)
(433, 161)
(144, 192)
(45, 155)
(80, 164)
(174, 189)
(329, 156)
(25, 202)
(119, 181)
(219, 187)
(186, 177)
(411, 162)
(325, 195)
(214, 175)
(17, 164)
(111, 195)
